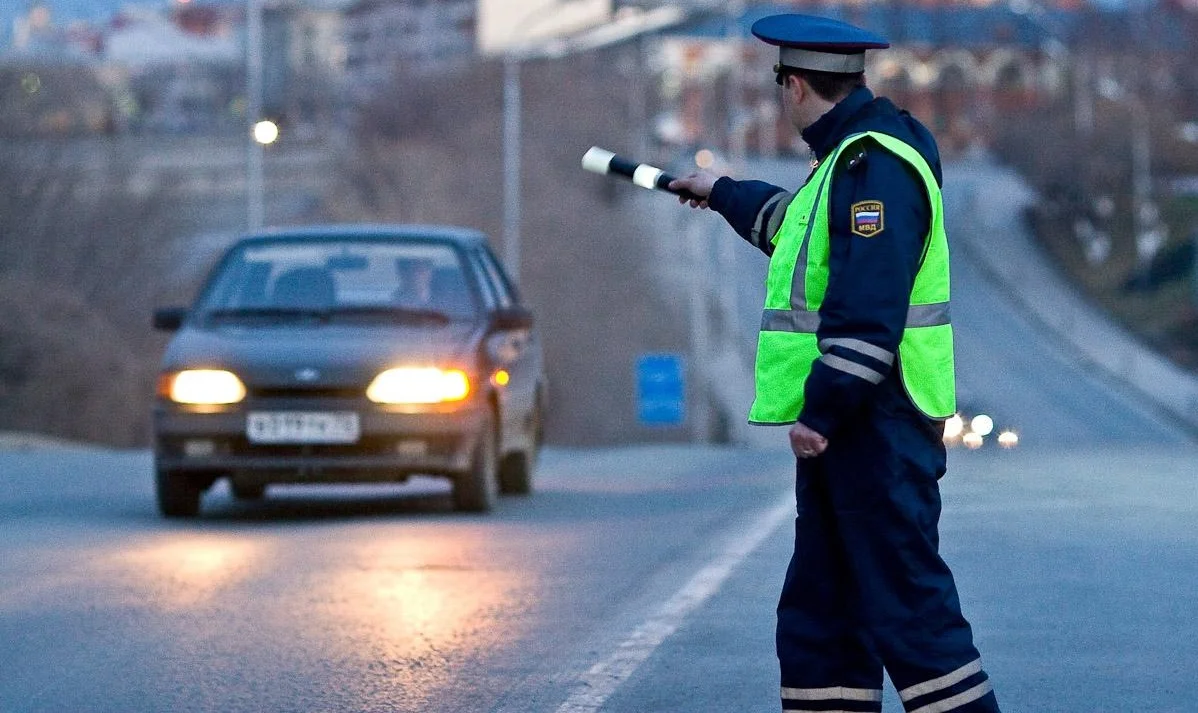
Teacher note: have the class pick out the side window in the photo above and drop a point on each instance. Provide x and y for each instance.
(484, 280)
(507, 292)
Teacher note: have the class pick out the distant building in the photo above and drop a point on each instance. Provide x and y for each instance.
(37, 37)
(383, 37)
(141, 36)
(956, 65)
(304, 60)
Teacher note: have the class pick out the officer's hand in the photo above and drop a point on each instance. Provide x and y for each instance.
(699, 183)
(805, 442)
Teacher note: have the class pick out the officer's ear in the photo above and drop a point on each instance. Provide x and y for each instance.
(794, 84)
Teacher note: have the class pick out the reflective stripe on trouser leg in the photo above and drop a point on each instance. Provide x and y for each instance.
(825, 662)
(886, 515)
(831, 698)
(954, 691)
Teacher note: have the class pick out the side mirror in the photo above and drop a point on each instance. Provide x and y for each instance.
(169, 319)
(510, 318)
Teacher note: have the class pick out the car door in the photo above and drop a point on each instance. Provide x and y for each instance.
(515, 350)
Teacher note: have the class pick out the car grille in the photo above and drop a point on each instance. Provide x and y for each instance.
(438, 447)
(307, 392)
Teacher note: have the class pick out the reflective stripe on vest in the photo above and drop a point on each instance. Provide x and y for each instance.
(798, 279)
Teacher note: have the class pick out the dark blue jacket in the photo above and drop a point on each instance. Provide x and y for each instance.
(870, 281)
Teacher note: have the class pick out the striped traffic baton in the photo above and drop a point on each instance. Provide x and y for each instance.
(602, 161)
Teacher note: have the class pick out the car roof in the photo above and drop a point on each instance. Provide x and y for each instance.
(354, 231)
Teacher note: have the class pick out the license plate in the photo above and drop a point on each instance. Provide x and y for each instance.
(303, 427)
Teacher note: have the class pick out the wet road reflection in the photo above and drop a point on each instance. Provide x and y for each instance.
(188, 569)
(346, 599)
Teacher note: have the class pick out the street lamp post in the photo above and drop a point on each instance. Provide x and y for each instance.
(253, 114)
(737, 140)
(513, 57)
(511, 163)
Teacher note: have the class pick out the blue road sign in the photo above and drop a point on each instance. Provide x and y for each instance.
(660, 390)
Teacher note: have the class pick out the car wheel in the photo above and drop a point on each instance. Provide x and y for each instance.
(515, 470)
(247, 491)
(178, 494)
(476, 489)
(514, 475)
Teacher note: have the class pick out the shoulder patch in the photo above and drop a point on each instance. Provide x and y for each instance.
(867, 218)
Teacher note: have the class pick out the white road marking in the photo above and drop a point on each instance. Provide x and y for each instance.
(601, 680)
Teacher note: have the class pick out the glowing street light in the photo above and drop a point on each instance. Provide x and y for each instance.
(266, 132)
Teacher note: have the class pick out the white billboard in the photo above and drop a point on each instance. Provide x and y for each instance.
(506, 24)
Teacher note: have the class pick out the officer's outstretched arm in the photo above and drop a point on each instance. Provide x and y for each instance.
(879, 218)
(754, 209)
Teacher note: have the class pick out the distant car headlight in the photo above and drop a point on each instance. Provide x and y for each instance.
(419, 385)
(208, 387)
(954, 426)
(982, 425)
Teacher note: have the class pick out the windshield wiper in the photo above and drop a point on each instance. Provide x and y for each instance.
(236, 312)
(404, 314)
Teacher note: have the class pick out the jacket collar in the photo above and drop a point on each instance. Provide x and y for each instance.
(828, 131)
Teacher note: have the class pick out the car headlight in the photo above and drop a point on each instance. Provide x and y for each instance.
(208, 387)
(419, 385)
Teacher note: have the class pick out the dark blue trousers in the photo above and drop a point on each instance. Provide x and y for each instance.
(866, 587)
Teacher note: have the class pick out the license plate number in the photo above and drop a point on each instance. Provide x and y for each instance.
(303, 427)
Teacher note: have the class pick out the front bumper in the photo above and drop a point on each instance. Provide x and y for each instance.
(392, 444)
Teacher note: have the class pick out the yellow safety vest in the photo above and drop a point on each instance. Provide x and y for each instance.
(787, 346)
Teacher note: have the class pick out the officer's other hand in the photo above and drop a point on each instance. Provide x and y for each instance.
(805, 442)
(699, 183)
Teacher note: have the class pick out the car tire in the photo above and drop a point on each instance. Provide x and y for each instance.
(515, 475)
(515, 470)
(247, 491)
(178, 494)
(477, 489)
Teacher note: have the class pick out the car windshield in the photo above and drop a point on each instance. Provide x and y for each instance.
(346, 280)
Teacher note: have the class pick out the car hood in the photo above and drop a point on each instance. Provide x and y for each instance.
(324, 355)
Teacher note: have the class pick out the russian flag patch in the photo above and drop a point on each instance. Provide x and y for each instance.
(867, 218)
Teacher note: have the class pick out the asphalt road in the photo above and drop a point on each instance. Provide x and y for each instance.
(658, 565)
(347, 600)
(634, 579)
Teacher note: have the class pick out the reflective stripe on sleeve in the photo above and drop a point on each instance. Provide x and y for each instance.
(765, 209)
(774, 224)
(853, 368)
(859, 346)
(942, 682)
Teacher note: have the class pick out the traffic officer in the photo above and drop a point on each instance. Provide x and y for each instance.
(856, 352)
